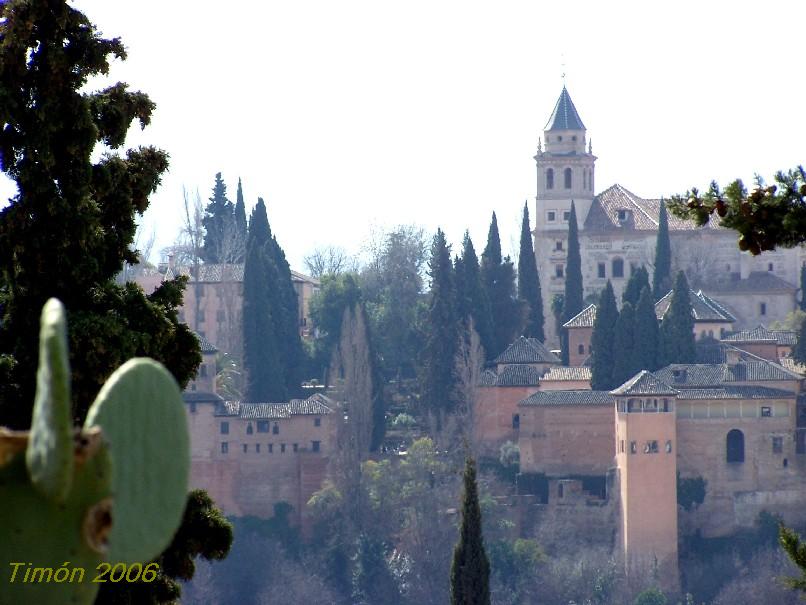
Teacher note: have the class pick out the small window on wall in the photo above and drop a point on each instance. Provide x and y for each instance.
(275, 430)
(601, 270)
(315, 446)
(618, 267)
(558, 245)
(567, 177)
(271, 448)
(770, 267)
(203, 371)
(633, 447)
(296, 447)
(567, 216)
(317, 422)
(516, 422)
(621, 446)
(777, 445)
(257, 448)
(224, 447)
(651, 447)
(669, 446)
(762, 308)
(766, 411)
(558, 270)
(581, 349)
(550, 178)
(551, 216)
(224, 429)
(262, 426)
(282, 448)
(245, 448)
(249, 429)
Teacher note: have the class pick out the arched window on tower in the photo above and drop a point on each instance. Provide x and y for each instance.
(734, 451)
(585, 179)
(550, 178)
(567, 174)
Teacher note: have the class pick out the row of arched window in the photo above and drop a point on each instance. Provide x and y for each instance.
(568, 176)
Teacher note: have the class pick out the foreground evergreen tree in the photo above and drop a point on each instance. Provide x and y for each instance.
(677, 327)
(498, 275)
(442, 329)
(573, 300)
(796, 549)
(529, 282)
(646, 346)
(470, 570)
(802, 304)
(472, 300)
(639, 279)
(218, 223)
(766, 217)
(272, 346)
(603, 341)
(662, 278)
(70, 227)
(623, 346)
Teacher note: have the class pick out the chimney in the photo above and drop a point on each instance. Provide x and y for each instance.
(744, 265)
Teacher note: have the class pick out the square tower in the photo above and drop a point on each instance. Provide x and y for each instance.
(646, 459)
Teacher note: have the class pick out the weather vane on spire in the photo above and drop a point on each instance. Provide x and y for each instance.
(562, 57)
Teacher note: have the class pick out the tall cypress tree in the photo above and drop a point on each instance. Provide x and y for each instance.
(66, 233)
(472, 297)
(646, 348)
(677, 327)
(470, 570)
(803, 288)
(800, 349)
(662, 278)
(442, 327)
(498, 276)
(240, 223)
(529, 282)
(262, 346)
(623, 344)
(636, 284)
(602, 340)
(217, 221)
(573, 300)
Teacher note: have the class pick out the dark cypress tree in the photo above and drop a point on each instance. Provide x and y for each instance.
(442, 329)
(472, 296)
(218, 219)
(623, 343)
(470, 570)
(67, 231)
(498, 276)
(803, 288)
(573, 299)
(603, 339)
(677, 327)
(529, 282)
(261, 338)
(636, 284)
(240, 225)
(646, 349)
(800, 349)
(662, 278)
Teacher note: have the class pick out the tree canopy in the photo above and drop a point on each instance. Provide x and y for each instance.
(470, 571)
(677, 327)
(603, 340)
(662, 277)
(529, 282)
(766, 217)
(573, 298)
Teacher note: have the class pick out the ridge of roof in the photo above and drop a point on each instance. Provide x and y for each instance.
(644, 383)
(583, 319)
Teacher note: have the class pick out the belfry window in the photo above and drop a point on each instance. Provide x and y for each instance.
(550, 178)
(618, 267)
(567, 176)
(734, 446)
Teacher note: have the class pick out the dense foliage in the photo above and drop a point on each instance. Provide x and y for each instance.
(471, 296)
(498, 275)
(69, 229)
(766, 217)
(603, 341)
(677, 327)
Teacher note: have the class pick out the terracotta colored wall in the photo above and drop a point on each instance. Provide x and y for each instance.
(737, 492)
(565, 385)
(252, 482)
(566, 440)
(648, 491)
(576, 337)
(493, 414)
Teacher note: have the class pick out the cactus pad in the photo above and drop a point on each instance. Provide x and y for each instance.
(142, 417)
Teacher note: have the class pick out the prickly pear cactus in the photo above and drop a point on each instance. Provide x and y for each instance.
(73, 499)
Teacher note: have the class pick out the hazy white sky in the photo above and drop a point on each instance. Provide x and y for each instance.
(344, 115)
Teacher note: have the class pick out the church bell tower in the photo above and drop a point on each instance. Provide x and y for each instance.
(565, 169)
